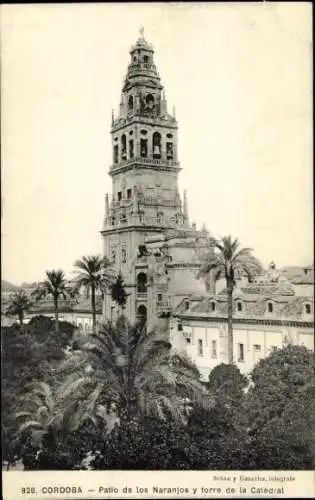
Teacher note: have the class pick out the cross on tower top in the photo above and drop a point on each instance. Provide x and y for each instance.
(141, 30)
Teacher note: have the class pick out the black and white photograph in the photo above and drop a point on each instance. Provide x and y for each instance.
(157, 278)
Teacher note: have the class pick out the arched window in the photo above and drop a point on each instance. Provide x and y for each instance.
(212, 305)
(80, 326)
(239, 306)
(141, 314)
(141, 283)
(308, 308)
(123, 147)
(146, 59)
(123, 256)
(169, 150)
(149, 101)
(270, 307)
(156, 145)
(131, 149)
(130, 103)
(143, 148)
(116, 153)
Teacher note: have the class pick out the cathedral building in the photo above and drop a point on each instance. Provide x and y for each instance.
(147, 233)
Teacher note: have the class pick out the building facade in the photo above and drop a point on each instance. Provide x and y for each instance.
(147, 234)
(267, 315)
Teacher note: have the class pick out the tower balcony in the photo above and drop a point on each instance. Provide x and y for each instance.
(163, 306)
(145, 163)
(122, 121)
(141, 295)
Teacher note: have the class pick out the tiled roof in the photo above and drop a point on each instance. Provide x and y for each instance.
(253, 307)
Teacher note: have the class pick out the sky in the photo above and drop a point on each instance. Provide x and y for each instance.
(240, 76)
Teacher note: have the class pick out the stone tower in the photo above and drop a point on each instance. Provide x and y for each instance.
(145, 207)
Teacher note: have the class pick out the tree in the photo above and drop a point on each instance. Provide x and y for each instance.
(218, 434)
(56, 286)
(19, 304)
(94, 273)
(229, 260)
(118, 291)
(135, 371)
(280, 410)
(147, 444)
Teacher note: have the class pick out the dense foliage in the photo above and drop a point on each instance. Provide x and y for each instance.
(121, 399)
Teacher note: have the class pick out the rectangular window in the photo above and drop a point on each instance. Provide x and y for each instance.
(188, 340)
(128, 194)
(257, 347)
(214, 349)
(179, 327)
(143, 148)
(116, 153)
(200, 347)
(119, 195)
(159, 297)
(240, 352)
(131, 148)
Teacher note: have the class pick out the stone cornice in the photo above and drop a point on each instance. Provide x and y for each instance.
(142, 228)
(245, 321)
(142, 166)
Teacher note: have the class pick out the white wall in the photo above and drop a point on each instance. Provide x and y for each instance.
(258, 341)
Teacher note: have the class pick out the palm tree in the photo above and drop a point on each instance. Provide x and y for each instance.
(55, 286)
(43, 414)
(134, 370)
(19, 304)
(229, 260)
(40, 413)
(94, 273)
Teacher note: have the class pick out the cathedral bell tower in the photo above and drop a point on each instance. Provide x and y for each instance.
(145, 199)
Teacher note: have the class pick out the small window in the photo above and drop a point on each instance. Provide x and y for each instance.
(212, 306)
(186, 305)
(188, 340)
(308, 308)
(214, 349)
(129, 192)
(257, 347)
(145, 59)
(113, 221)
(131, 150)
(270, 307)
(113, 256)
(119, 195)
(130, 103)
(179, 327)
(159, 297)
(239, 306)
(200, 347)
(274, 348)
(123, 256)
(169, 150)
(143, 148)
(240, 352)
(116, 153)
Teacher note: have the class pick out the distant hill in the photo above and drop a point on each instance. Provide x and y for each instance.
(6, 286)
